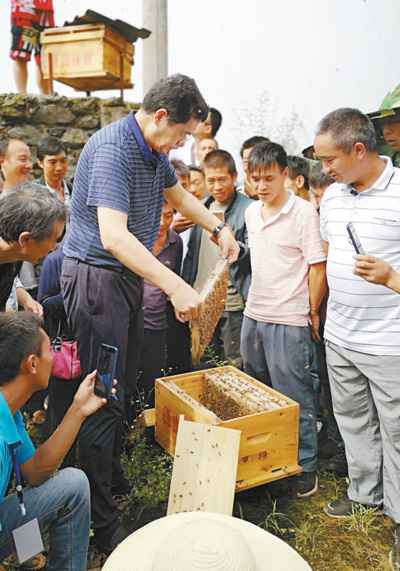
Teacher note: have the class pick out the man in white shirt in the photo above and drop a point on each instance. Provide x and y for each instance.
(207, 129)
(53, 160)
(362, 326)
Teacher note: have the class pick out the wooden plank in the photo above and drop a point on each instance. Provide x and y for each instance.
(147, 418)
(264, 477)
(169, 406)
(204, 472)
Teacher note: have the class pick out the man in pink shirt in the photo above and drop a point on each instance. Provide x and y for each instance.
(287, 286)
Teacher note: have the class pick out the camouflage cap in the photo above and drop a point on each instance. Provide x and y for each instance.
(390, 107)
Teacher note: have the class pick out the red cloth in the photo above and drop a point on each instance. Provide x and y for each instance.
(46, 5)
(27, 12)
(22, 13)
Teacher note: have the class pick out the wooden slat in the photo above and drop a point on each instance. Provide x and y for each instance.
(204, 472)
(168, 408)
(147, 418)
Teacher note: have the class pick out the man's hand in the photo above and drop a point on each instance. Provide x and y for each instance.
(26, 301)
(185, 301)
(34, 306)
(315, 322)
(228, 246)
(373, 270)
(85, 401)
(180, 224)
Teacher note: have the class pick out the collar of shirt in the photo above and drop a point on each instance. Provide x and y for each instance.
(379, 184)
(148, 155)
(284, 210)
(208, 200)
(171, 239)
(67, 194)
(8, 428)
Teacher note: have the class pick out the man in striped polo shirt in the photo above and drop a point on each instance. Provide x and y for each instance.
(122, 178)
(362, 329)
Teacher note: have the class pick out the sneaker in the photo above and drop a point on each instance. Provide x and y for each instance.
(338, 464)
(306, 484)
(344, 507)
(394, 555)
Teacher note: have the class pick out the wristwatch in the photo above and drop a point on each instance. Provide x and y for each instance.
(218, 229)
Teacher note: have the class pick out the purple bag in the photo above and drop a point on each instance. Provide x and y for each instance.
(66, 364)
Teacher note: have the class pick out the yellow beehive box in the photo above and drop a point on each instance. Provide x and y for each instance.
(88, 57)
(268, 420)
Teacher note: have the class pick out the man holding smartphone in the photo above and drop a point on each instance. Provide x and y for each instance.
(58, 500)
(122, 179)
(362, 326)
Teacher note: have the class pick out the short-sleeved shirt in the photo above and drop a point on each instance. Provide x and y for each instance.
(363, 316)
(154, 299)
(116, 170)
(12, 432)
(281, 251)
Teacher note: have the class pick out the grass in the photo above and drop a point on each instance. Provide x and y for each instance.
(360, 543)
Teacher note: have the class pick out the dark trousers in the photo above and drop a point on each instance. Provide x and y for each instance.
(179, 357)
(61, 395)
(104, 306)
(153, 360)
(283, 354)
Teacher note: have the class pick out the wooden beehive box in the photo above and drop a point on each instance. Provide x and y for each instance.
(269, 436)
(87, 57)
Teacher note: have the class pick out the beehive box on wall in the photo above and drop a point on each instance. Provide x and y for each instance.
(87, 57)
(229, 398)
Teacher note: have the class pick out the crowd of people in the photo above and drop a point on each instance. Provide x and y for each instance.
(119, 258)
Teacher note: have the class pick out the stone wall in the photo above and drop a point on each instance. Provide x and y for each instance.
(72, 120)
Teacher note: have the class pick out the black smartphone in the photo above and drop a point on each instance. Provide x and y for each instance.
(106, 369)
(355, 240)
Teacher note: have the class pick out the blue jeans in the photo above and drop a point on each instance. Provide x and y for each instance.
(61, 504)
(282, 356)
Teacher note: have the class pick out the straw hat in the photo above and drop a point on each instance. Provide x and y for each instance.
(200, 541)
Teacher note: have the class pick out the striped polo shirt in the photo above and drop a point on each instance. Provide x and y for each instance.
(116, 170)
(363, 316)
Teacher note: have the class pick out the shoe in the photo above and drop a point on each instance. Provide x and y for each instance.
(306, 484)
(344, 507)
(394, 555)
(338, 464)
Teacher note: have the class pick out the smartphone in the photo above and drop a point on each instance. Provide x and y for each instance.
(106, 369)
(355, 240)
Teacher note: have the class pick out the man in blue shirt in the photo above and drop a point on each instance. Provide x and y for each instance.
(122, 178)
(58, 500)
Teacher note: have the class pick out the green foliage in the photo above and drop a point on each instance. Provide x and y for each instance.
(148, 469)
(363, 520)
(212, 358)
